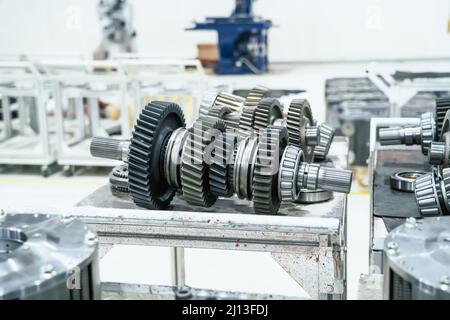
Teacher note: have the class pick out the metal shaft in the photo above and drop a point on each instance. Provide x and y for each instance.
(393, 136)
(109, 148)
(313, 176)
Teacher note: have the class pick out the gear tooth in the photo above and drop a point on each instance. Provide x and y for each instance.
(194, 170)
(442, 106)
(265, 201)
(207, 102)
(142, 148)
(298, 118)
(267, 110)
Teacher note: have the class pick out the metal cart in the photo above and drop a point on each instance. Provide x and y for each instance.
(308, 241)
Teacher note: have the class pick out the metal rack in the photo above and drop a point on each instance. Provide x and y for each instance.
(176, 80)
(78, 85)
(308, 241)
(25, 140)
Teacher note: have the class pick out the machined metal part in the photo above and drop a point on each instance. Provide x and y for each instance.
(173, 156)
(267, 111)
(417, 260)
(405, 180)
(326, 135)
(110, 148)
(244, 167)
(313, 176)
(299, 119)
(272, 143)
(207, 102)
(442, 107)
(314, 196)
(118, 179)
(255, 96)
(154, 126)
(428, 194)
(287, 180)
(232, 101)
(47, 257)
(423, 135)
(194, 169)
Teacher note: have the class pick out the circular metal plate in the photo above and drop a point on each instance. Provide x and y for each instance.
(405, 181)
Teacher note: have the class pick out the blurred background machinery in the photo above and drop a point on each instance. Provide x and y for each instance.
(242, 40)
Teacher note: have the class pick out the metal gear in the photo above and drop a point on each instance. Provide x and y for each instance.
(254, 97)
(194, 169)
(442, 106)
(219, 171)
(118, 179)
(229, 100)
(147, 184)
(287, 175)
(207, 102)
(266, 199)
(247, 119)
(219, 112)
(298, 119)
(267, 111)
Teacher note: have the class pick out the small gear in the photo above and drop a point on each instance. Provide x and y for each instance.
(194, 169)
(254, 97)
(266, 199)
(267, 111)
(219, 170)
(148, 187)
(118, 179)
(298, 119)
(442, 106)
(207, 102)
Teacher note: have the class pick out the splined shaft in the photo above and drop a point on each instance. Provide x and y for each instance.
(313, 176)
(110, 148)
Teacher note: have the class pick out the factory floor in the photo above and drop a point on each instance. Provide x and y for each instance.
(226, 270)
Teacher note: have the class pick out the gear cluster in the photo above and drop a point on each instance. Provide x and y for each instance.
(246, 147)
(432, 190)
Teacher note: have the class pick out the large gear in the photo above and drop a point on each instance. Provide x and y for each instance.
(442, 106)
(220, 180)
(148, 187)
(267, 111)
(298, 119)
(266, 199)
(194, 169)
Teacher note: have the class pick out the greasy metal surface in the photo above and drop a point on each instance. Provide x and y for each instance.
(386, 201)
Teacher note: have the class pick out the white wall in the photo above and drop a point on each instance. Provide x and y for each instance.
(309, 30)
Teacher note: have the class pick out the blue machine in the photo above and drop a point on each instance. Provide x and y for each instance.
(242, 40)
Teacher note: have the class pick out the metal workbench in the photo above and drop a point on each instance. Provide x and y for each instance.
(308, 241)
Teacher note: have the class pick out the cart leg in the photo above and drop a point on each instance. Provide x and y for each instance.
(68, 171)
